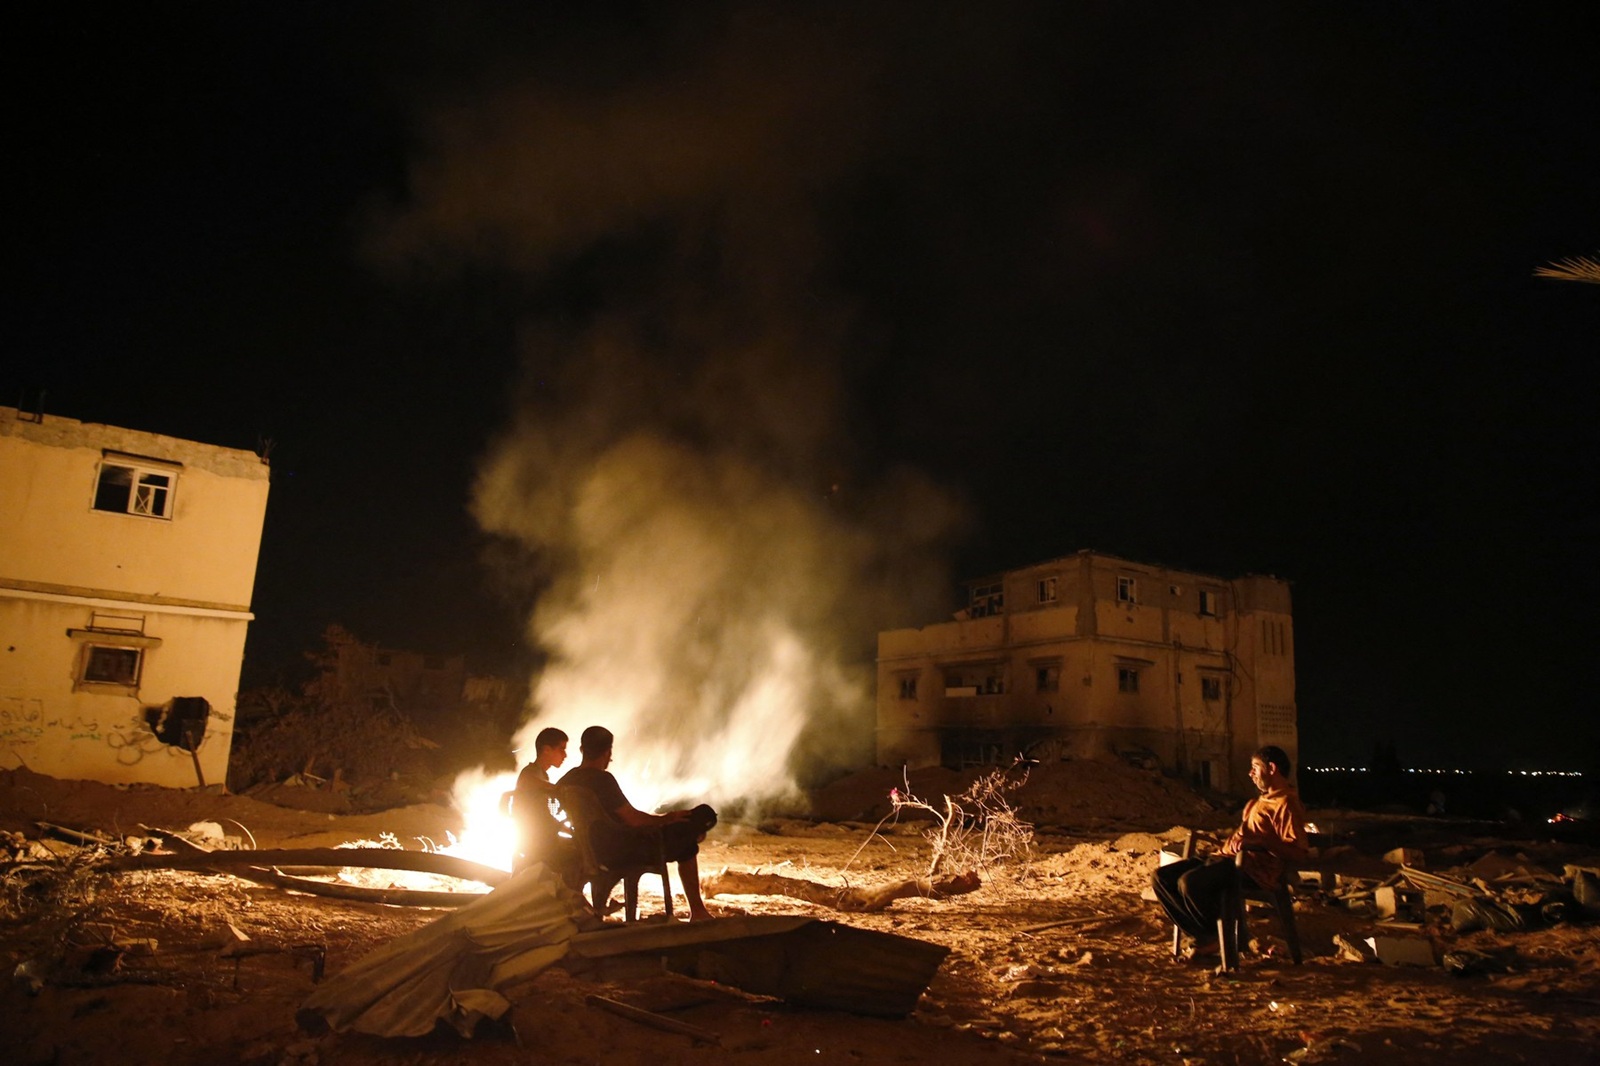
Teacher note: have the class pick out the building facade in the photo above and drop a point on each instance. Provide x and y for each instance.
(127, 561)
(1091, 654)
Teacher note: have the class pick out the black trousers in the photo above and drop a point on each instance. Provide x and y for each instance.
(617, 844)
(1191, 891)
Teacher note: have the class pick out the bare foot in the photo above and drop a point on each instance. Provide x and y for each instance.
(699, 914)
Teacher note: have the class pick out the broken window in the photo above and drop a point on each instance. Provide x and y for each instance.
(128, 489)
(1047, 590)
(988, 600)
(1047, 677)
(1208, 602)
(1127, 589)
(908, 687)
(105, 665)
(1127, 679)
(976, 681)
(1211, 688)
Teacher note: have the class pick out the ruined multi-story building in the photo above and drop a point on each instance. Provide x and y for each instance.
(127, 561)
(1091, 654)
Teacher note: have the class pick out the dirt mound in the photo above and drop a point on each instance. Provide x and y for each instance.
(1076, 794)
(27, 798)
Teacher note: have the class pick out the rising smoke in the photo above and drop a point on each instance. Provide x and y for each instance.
(678, 459)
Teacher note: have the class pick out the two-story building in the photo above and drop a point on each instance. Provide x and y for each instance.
(1091, 654)
(127, 561)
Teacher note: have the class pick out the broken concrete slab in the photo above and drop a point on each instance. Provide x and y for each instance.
(1405, 857)
(1402, 950)
(1399, 903)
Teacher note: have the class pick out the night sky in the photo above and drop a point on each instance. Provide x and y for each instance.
(1234, 288)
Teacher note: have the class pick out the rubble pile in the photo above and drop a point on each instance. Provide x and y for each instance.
(358, 754)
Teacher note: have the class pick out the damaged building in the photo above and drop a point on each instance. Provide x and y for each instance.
(127, 561)
(1091, 654)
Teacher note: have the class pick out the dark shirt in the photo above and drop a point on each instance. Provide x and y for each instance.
(600, 782)
(538, 828)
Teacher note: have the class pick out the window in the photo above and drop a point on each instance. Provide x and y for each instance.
(1208, 602)
(1047, 590)
(1127, 590)
(128, 489)
(1047, 677)
(110, 655)
(1211, 688)
(1273, 638)
(978, 681)
(104, 665)
(908, 688)
(988, 600)
(1127, 679)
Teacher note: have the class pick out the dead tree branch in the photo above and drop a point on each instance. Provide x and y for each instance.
(853, 900)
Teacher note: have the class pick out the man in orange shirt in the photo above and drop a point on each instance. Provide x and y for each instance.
(1271, 834)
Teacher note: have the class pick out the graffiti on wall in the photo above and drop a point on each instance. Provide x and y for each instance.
(21, 723)
(28, 729)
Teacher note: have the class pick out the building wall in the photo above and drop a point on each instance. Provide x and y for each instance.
(1043, 656)
(173, 590)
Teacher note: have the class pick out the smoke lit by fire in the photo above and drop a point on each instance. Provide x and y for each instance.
(708, 557)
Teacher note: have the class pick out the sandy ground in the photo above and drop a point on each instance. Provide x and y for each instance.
(1101, 989)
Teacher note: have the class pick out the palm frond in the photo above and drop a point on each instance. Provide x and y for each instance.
(1576, 268)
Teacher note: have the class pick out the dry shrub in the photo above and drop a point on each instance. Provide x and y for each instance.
(976, 830)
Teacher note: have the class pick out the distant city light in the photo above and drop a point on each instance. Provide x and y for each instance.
(1433, 770)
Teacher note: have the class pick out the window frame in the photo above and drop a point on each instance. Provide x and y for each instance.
(1127, 589)
(1045, 587)
(1127, 678)
(97, 638)
(1211, 689)
(1210, 603)
(1047, 677)
(986, 601)
(142, 492)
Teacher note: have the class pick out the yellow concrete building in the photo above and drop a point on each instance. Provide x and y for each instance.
(1089, 655)
(127, 561)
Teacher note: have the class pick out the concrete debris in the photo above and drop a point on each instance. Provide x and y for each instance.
(1351, 949)
(1402, 951)
(1405, 857)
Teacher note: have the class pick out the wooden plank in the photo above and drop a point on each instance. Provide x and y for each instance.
(430, 862)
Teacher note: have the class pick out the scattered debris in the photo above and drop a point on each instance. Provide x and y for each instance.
(654, 1020)
(1402, 951)
(453, 969)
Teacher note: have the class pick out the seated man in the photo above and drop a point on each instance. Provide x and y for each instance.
(632, 838)
(538, 832)
(1271, 833)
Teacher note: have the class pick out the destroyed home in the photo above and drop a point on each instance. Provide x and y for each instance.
(1090, 654)
(392, 678)
(127, 561)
